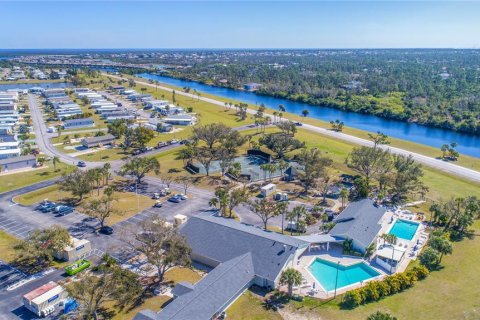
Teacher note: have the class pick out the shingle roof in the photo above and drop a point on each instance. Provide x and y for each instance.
(360, 221)
(107, 137)
(208, 236)
(211, 294)
(182, 288)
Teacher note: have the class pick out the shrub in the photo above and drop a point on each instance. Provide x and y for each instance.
(421, 272)
(352, 299)
(376, 290)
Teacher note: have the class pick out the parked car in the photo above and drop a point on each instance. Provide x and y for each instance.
(182, 196)
(48, 207)
(162, 144)
(63, 210)
(175, 199)
(81, 164)
(158, 204)
(156, 195)
(298, 124)
(106, 230)
(173, 141)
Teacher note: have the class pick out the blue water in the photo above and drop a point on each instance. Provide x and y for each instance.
(404, 229)
(435, 137)
(326, 273)
(47, 85)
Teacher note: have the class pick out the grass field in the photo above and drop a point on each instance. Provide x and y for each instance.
(7, 242)
(22, 179)
(248, 306)
(127, 202)
(105, 155)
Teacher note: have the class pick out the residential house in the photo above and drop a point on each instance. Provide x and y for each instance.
(181, 119)
(20, 162)
(251, 86)
(78, 123)
(107, 139)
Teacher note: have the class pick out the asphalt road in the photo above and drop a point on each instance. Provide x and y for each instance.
(429, 161)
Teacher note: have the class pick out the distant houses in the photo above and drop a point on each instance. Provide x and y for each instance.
(252, 86)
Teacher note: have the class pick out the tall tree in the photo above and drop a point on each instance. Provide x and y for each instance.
(264, 209)
(102, 208)
(109, 283)
(314, 167)
(39, 248)
(139, 167)
(370, 162)
(78, 183)
(163, 246)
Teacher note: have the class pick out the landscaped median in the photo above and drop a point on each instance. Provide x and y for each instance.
(127, 204)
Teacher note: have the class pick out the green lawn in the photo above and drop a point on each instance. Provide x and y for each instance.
(105, 155)
(7, 242)
(248, 306)
(21, 179)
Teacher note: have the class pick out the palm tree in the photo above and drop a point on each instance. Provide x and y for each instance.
(213, 202)
(59, 130)
(305, 112)
(299, 212)
(264, 168)
(343, 195)
(275, 113)
(442, 245)
(106, 172)
(291, 277)
(281, 210)
(281, 107)
(55, 161)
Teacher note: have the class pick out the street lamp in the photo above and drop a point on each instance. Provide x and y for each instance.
(336, 280)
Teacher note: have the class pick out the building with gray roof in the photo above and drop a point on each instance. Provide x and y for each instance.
(361, 221)
(241, 255)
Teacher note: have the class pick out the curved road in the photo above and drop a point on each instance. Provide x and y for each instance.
(429, 161)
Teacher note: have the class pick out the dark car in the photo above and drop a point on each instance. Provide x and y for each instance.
(175, 199)
(106, 230)
(298, 124)
(47, 207)
(81, 164)
(63, 210)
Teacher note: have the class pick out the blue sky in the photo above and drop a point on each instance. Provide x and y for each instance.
(244, 24)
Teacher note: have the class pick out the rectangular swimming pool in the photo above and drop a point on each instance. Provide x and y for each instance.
(326, 273)
(404, 229)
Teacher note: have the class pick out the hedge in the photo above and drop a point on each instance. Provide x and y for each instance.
(376, 290)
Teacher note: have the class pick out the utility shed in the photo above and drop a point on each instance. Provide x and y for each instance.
(48, 295)
(76, 251)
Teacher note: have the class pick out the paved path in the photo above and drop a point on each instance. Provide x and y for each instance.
(43, 138)
(429, 161)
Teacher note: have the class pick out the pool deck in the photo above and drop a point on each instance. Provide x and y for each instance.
(333, 255)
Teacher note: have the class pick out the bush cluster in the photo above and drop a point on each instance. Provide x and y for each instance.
(376, 290)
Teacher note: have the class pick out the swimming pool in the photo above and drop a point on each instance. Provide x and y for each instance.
(326, 273)
(404, 229)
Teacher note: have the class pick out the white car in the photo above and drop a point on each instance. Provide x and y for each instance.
(183, 196)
